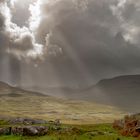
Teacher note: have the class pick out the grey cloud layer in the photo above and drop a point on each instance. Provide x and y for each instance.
(16, 40)
(77, 41)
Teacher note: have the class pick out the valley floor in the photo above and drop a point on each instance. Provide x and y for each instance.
(50, 108)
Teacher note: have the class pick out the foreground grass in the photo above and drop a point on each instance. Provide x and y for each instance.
(107, 137)
(87, 132)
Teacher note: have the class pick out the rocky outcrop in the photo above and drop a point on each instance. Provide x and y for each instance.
(35, 130)
(17, 131)
(25, 130)
(26, 121)
(5, 131)
(28, 126)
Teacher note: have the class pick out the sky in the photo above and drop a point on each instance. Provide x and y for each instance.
(72, 43)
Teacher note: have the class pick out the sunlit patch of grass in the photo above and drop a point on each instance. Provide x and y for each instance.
(11, 138)
(50, 108)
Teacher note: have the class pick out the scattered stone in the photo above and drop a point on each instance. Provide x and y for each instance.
(35, 130)
(29, 127)
(42, 130)
(5, 131)
(25, 130)
(57, 122)
(26, 121)
(101, 133)
(92, 133)
(29, 131)
(17, 131)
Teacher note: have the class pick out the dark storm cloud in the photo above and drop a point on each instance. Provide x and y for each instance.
(92, 34)
(81, 40)
(1, 22)
(16, 40)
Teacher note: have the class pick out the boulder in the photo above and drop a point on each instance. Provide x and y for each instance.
(30, 131)
(5, 131)
(25, 130)
(16, 121)
(57, 122)
(42, 130)
(17, 131)
(35, 130)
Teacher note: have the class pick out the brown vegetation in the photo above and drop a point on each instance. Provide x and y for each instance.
(129, 126)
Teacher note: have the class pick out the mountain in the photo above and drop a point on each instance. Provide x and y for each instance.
(10, 91)
(122, 91)
(16, 102)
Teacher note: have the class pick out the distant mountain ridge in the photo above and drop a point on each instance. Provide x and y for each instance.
(122, 81)
(121, 91)
(3, 85)
(8, 90)
(16, 102)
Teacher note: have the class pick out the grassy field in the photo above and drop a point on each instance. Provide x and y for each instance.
(50, 108)
(67, 138)
(86, 132)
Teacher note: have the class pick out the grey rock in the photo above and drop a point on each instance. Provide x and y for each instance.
(26, 121)
(5, 131)
(17, 131)
(35, 130)
(30, 131)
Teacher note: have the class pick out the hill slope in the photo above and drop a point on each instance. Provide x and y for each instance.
(18, 102)
(122, 91)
